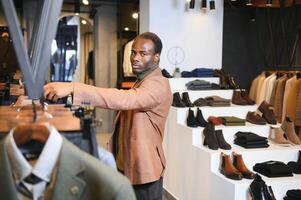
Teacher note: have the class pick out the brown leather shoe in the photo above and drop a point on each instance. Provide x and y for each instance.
(255, 118)
(221, 140)
(240, 166)
(210, 137)
(245, 96)
(277, 136)
(289, 129)
(238, 99)
(228, 169)
(267, 112)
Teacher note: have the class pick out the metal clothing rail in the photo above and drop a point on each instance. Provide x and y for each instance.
(284, 68)
(34, 65)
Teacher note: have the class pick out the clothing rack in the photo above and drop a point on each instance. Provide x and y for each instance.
(284, 68)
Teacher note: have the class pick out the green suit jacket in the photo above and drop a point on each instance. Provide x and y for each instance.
(79, 176)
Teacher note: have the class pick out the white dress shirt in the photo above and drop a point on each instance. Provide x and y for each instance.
(42, 168)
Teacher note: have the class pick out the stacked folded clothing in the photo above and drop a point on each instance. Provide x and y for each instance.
(250, 140)
(273, 169)
(293, 195)
(233, 121)
(200, 102)
(198, 85)
(215, 120)
(295, 167)
(217, 101)
(198, 72)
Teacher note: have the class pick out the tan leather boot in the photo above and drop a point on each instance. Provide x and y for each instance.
(277, 136)
(289, 129)
(228, 169)
(240, 166)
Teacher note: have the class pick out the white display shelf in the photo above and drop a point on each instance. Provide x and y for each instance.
(238, 189)
(179, 83)
(233, 110)
(193, 170)
(195, 94)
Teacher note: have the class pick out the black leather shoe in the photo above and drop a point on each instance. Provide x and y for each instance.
(210, 137)
(299, 158)
(177, 101)
(191, 120)
(200, 119)
(256, 188)
(186, 100)
(260, 191)
(165, 73)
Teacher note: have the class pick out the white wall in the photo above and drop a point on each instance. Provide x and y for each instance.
(198, 32)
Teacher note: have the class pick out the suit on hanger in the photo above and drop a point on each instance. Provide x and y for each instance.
(79, 176)
(292, 100)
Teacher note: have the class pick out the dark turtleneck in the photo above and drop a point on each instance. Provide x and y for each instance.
(143, 74)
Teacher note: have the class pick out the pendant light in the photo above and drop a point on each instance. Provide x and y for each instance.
(269, 3)
(204, 4)
(212, 4)
(249, 3)
(191, 4)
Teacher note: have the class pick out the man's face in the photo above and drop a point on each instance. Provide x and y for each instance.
(143, 55)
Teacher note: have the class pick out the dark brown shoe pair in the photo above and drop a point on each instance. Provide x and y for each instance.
(226, 81)
(267, 112)
(255, 118)
(181, 102)
(236, 170)
(214, 139)
(241, 97)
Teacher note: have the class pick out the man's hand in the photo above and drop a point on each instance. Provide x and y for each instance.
(54, 91)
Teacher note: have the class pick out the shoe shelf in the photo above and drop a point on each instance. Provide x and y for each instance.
(233, 110)
(193, 169)
(179, 83)
(238, 190)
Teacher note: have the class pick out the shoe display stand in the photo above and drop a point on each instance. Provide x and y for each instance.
(193, 169)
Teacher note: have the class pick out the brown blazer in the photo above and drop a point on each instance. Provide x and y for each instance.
(144, 110)
(292, 100)
(279, 98)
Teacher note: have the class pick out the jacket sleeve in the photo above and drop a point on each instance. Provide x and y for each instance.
(148, 95)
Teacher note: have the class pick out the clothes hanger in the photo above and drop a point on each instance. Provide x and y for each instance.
(34, 131)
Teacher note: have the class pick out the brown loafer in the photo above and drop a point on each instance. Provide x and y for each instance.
(255, 118)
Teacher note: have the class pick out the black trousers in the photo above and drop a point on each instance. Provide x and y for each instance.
(149, 191)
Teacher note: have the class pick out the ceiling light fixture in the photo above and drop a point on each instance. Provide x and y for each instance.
(126, 28)
(212, 4)
(204, 4)
(85, 2)
(135, 15)
(84, 21)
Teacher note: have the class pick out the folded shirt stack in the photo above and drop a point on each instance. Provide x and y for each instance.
(233, 121)
(198, 85)
(198, 72)
(293, 195)
(273, 169)
(250, 140)
(295, 167)
(217, 101)
(200, 102)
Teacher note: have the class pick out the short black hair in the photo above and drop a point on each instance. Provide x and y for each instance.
(155, 39)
